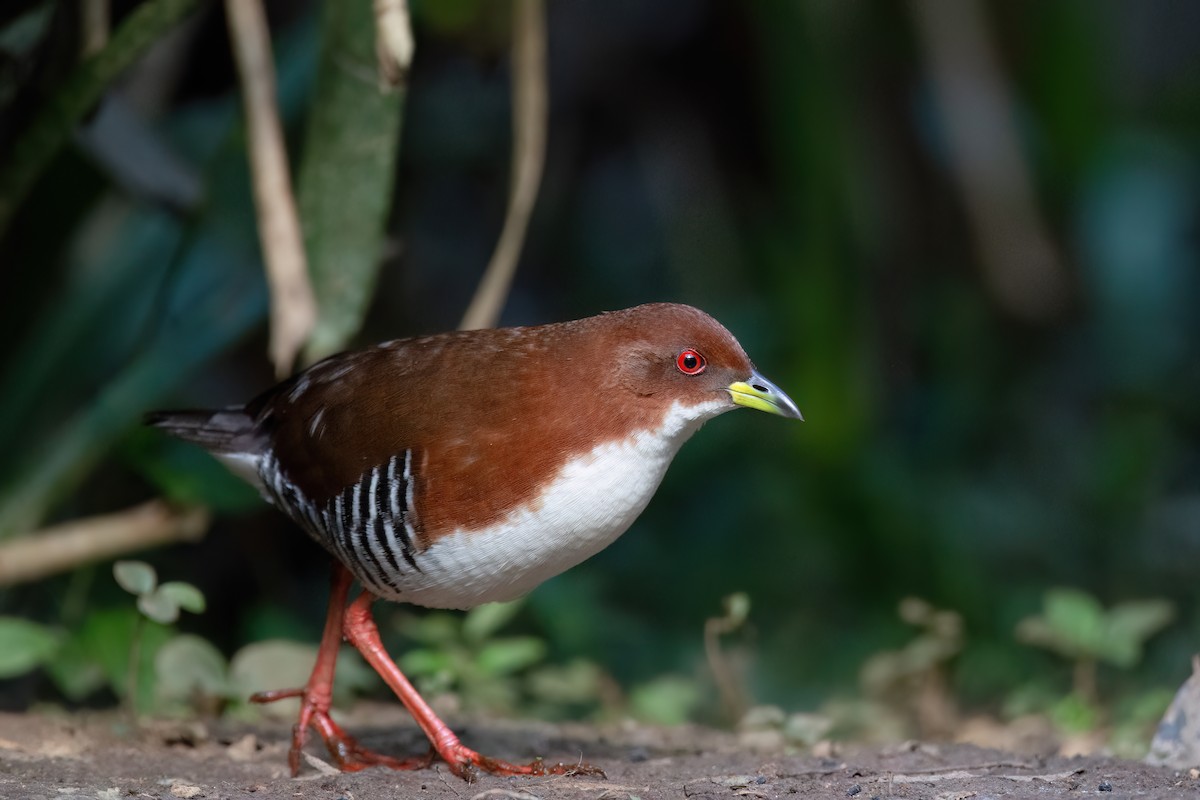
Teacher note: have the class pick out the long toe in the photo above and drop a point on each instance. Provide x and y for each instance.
(465, 763)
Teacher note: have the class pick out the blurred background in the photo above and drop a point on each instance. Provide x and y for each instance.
(962, 236)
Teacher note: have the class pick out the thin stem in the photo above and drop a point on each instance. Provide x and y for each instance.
(293, 306)
(733, 700)
(1084, 680)
(530, 112)
(135, 658)
(95, 18)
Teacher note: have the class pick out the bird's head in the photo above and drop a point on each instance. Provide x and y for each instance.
(679, 354)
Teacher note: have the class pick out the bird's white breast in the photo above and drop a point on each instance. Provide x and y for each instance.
(591, 501)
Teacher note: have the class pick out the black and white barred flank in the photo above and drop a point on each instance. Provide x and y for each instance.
(368, 526)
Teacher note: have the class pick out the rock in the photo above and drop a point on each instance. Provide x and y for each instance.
(1177, 741)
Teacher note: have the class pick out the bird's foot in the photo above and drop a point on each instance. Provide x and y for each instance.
(347, 753)
(466, 764)
(361, 631)
(350, 756)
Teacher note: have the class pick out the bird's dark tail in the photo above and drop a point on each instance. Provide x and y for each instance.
(226, 431)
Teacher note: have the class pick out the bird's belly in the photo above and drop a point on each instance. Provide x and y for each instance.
(592, 501)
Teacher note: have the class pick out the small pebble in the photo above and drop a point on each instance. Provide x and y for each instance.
(853, 790)
(638, 754)
(185, 790)
(1105, 786)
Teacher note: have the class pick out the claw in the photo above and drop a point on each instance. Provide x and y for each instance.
(466, 764)
(344, 749)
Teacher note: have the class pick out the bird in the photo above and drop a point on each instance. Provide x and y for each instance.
(468, 467)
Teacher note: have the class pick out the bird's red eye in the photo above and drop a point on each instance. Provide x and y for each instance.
(690, 362)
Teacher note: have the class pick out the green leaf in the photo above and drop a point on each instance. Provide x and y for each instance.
(135, 577)
(23, 33)
(1132, 624)
(421, 662)
(433, 629)
(346, 174)
(513, 654)
(451, 17)
(1077, 618)
(158, 607)
(187, 667)
(1072, 624)
(1074, 714)
(1075, 626)
(184, 595)
(105, 640)
(74, 671)
(25, 645)
(272, 664)
(483, 621)
(1033, 697)
(807, 729)
(668, 700)
(489, 694)
(211, 299)
(578, 681)
(284, 664)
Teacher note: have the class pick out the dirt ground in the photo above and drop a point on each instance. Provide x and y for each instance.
(100, 756)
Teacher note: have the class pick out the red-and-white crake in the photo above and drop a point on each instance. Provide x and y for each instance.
(464, 468)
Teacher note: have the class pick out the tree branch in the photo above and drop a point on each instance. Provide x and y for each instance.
(64, 547)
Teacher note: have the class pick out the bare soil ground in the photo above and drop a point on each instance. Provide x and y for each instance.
(99, 756)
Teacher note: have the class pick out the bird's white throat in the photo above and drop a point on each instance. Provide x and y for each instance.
(591, 501)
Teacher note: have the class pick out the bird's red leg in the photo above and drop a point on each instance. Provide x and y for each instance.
(361, 631)
(317, 696)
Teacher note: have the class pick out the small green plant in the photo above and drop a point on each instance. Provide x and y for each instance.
(770, 728)
(114, 647)
(669, 699)
(25, 645)
(914, 680)
(464, 657)
(673, 699)
(190, 674)
(729, 686)
(157, 602)
(151, 668)
(1074, 625)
